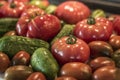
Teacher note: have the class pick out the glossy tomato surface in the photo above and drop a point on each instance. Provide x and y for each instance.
(100, 29)
(64, 52)
(21, 58)
(13, 9)
(72, 11)
(36, 76)
(4, 62)
(78, 70)
(44, 27)
(65, 78)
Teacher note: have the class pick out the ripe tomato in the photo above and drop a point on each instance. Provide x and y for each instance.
(13, 9)
(35, 24)
(116, 24)
(94, 29)
(36, 76)
(72, 11)
(18, 1)
(2, 3)
(4, 62)
(78, 70)
(70, 49)
(21, 58)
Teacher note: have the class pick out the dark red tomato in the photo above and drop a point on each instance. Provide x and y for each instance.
(2, 3)
(36, 76)
(4, 62)
(114, 41)
(100, 62)
(21, 58)
(35, 24)
(13, 9)
(94, 29)
(116, 24)
(26, 17)
(72, 11)
(70, 49)
(80, 71)
(100, 48)
(65, 78)
(106, 73)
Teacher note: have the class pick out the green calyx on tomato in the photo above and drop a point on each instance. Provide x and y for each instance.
(1, 5)
(12, 5)
(71, 40)
(91, 21)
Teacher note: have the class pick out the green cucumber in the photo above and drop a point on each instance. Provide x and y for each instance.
(7, 24)
(12, 44)
(65, 31)
(42, 60)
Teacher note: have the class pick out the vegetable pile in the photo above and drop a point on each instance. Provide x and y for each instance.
(69, 41)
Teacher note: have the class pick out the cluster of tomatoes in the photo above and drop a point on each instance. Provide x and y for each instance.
(90, 53)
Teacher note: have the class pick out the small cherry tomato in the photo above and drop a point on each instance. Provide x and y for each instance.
(114, 41)
(107, 73)
(36, 76)
(21, 58)
(65, 78)
(100, 48)
(4, 62)
(92, 29)
(100, 62)
(70, 49)
(78, 70)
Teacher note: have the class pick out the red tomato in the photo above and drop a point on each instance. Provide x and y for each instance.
(67, 49)
(116, 24)
(13, 9)
(94, 29)
(21, 58)
(36, 76)
(18, 1)
(72, 11)
(1, 4)
(78, 70)
(34, 24)
(65, 78)
(4, 62)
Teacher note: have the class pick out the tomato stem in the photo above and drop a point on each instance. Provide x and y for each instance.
(91, 20)
(1, 5)
(71, 40)
(12, 5)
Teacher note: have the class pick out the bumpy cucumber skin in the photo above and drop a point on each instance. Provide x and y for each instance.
(13, 44)
(43, 61)
(65, 31)
(7, 24)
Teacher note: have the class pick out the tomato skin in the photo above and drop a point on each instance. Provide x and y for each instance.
(116, 24)
(4, 62)
(36, 76)
(46, 27)
(78, 70)
(15, 11)
(101, 30)
(2, 3)
(65, 78)
(21, 58)
(18, 1)
(105, 73)
(100, 62)
(114, 41)
(22, 24)
(71, 13)
(100, 48)
(64, 52)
